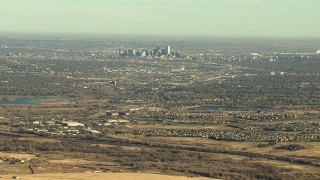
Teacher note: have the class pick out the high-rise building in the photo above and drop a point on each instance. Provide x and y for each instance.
(168, 50)
(183, 51)
(143, 53)
(155, 52)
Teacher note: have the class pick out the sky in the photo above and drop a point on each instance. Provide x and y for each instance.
(168, 17)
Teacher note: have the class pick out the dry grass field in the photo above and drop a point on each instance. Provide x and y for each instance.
(312, 148)
(14, 169)
(311, 151)
(40, 140)
(72, 161)
(99, 176)
(16, 155)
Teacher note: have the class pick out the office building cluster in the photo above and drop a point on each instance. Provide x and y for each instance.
(157, 52)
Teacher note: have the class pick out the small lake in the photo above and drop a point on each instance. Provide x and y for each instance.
(27, 100)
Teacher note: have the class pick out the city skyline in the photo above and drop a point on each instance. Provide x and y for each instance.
(175, 17)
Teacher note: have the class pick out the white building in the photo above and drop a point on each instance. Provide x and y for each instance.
(168, 49)
(72, 123)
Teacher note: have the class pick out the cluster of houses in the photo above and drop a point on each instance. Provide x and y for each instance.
(199, 114)
(311, 127)
(275, 115)
(73, 127)
(252, 136)
(13, 160)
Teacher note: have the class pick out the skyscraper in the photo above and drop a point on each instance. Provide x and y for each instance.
(168, 51)
(183, 51)
(120, 52)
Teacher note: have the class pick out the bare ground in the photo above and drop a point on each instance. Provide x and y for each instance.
(99, 176)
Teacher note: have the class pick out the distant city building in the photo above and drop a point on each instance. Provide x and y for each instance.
(155, 52)
(168, 50)
(113, 82)
(318, 52)
(130, 52)
(143, 53)
(158, 52)
(183, 51)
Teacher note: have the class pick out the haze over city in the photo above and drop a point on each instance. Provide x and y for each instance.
(168, 17)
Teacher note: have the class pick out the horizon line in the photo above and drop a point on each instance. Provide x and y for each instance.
(155, 34)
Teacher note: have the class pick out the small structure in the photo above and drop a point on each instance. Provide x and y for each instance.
(36, 122)
(123, 121)
(112, 121)
(107, 124)
(72, 124)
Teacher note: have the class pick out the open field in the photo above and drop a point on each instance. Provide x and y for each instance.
(312, 148)
(72, 161)
(40, 140)
(17, 155)
(14, 169)
(100, 176)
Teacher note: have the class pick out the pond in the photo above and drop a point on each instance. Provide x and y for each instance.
(27, 100)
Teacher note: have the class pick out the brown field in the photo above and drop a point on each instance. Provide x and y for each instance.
(62, 109)
(287, 166)
(125, 148)
(14, 169)
(72, 161)
(17, 155)
(40, 140)
(312, 148)
(56, 102)
(103, 145)
(77, 161)
(99, 176)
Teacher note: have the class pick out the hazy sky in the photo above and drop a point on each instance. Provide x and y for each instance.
(178, 17)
